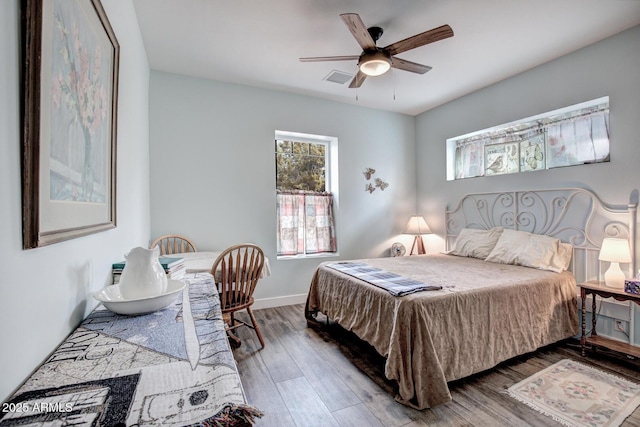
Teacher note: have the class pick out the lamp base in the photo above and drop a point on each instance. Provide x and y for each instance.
(614, 277)
(420, 244)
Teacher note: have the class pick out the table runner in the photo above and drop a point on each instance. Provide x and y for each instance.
(393, 283)
(172, 367)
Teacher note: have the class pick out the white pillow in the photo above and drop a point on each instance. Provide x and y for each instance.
(545, 253)
(531, 250)
(476, 243)
(508, 247)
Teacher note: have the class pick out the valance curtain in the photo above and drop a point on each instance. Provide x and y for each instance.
(470, 159)
(578, 141)
(305, 223)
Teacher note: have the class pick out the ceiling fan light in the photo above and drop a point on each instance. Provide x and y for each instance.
(374, 63)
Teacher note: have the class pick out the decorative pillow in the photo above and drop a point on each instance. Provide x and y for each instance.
(531, 250)
(476, 243)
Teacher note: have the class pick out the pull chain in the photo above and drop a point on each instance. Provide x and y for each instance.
(393, 79)
(355, 77)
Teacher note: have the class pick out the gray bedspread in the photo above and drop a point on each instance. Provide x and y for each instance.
(485, 314)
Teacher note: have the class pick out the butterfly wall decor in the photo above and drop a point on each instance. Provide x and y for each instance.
(379, 183)
(368, 172)
(370, 188)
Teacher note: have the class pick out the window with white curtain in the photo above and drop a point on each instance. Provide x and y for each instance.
(569, 136)
(305, 202)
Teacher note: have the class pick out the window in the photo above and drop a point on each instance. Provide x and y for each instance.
(574, 135)
(305, 202)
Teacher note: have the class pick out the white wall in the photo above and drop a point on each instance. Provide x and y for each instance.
(45, 292)
(610, 67)
(213, 170)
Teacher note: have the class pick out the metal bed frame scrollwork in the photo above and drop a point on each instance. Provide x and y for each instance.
(573, 215)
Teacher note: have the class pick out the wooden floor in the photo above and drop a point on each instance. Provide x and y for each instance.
(309, 377)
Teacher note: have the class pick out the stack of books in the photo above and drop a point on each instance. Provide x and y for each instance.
(174, 267)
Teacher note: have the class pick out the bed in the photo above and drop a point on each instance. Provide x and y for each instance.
(482, 312)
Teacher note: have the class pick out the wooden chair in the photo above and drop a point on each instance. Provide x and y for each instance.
(173, 244)
(236, 272)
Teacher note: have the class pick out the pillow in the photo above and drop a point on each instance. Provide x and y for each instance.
(476, 243)
(545, 253)
(508, 247)
(531, 250)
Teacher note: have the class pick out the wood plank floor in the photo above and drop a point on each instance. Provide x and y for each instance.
(309, 377)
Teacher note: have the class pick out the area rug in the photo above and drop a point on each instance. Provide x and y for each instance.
(577, 395)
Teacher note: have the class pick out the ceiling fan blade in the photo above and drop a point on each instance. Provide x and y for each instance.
(414, 67)
(421, 39)
(359, 30)
(358, 80)
(329, 58)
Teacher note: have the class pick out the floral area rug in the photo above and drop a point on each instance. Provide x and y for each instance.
(578, 395)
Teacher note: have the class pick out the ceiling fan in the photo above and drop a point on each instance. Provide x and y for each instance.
(375, 61)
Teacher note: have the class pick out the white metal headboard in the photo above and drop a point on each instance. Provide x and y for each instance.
(573, 215)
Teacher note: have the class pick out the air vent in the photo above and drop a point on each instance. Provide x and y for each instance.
(338, 77)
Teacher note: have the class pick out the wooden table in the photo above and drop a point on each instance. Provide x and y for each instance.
(202, 261)
(600, 289)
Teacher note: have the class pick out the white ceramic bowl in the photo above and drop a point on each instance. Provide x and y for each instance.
(112, 299)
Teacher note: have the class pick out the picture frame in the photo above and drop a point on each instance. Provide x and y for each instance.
(502, 158)
(532, 154)
(69, 118)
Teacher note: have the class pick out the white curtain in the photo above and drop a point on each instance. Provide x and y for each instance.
(578, 141)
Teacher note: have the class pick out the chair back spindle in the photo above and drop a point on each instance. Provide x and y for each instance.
(173, 244)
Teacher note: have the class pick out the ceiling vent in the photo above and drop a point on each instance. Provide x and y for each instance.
(338, 77)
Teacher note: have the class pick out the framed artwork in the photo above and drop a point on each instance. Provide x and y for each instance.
(502, 158)
(70, 90)
(532, 154)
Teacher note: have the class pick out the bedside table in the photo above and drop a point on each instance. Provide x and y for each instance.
(599, 289)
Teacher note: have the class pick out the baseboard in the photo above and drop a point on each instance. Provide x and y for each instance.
(279, 301)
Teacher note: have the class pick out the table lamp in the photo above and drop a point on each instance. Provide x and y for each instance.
(417, 226)
(615, 251)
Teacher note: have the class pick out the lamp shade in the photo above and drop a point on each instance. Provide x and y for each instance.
(615, 250)
(417, 225)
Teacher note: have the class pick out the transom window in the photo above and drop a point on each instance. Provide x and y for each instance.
(574, 135)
